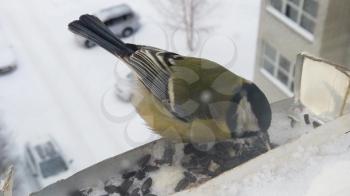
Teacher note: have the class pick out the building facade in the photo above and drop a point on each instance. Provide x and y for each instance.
(288, 27)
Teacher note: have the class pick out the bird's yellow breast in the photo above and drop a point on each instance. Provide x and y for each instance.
(160, 120)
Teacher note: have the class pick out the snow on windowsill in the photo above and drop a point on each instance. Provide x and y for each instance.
(277, 83)
(317, 164)
(305, 34)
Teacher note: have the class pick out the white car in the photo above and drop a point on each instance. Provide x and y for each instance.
(46, 161)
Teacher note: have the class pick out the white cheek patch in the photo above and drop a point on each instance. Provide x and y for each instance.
(246, 120)
(171, 61)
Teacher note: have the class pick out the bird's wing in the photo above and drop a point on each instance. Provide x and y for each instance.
(181, 83)
(198, 88)
(180, 99)
(152, 67)
(164, 73)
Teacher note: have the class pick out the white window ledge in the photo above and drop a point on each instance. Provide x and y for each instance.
(281, 86)
(305, 34)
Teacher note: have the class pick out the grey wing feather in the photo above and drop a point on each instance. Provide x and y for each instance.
(152, 66)
(152, 70)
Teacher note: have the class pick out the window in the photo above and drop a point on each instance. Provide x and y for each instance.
(302, 12)
(113, 21)
(278, 66)
(117, 20)
(277, 4)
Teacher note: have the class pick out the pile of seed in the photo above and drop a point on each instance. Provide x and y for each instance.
(205, 162)
(198, 163)
(134, 182)
(307, 121)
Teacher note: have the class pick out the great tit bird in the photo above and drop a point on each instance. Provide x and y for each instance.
(186, 98)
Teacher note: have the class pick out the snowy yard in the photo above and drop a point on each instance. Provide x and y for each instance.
(66, 91)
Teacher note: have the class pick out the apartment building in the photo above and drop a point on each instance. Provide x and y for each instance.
(288, 27)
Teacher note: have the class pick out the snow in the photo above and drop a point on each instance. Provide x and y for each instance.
(166, 177)
(331, 180)
(6, 57)
(322, 171)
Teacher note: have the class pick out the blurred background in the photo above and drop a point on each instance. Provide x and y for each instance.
(65, 103)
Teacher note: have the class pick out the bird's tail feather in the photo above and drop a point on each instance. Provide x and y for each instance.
(92, 28)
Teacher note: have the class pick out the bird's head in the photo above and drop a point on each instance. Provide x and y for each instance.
(249, 113)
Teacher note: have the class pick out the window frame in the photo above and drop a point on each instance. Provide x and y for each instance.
(295, 25)
(287, 89)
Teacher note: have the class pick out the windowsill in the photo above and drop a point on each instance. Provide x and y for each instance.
(305, 34)
(281, 86)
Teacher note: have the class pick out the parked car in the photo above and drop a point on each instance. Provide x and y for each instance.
(120, 19)
(46, 161)
(123, 87)
(8, 61)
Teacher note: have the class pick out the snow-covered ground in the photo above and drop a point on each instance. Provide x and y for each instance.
(66, 91)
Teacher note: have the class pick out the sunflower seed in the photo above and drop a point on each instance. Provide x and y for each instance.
(189, 149)
(150, 168)
(168, 154)
(140, 175)
(128, 175)
(146, 186)
(135, 192)
(190, 177)
(124, 187)
(315, 124)
(307, 119)
(144, 160)
(182, 184)
(112, 189)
